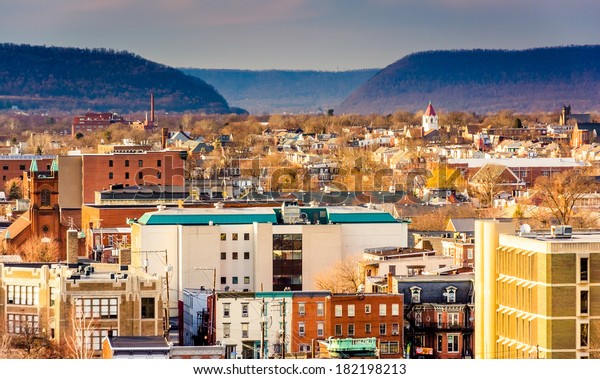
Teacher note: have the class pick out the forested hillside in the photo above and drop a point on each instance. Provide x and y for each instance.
(530, 80)
(98, 79)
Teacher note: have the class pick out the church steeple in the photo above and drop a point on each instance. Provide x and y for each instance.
(430, 119)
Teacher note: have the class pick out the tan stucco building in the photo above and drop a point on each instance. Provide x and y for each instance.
(536, 295)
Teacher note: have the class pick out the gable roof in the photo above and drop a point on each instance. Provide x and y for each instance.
(465, 225)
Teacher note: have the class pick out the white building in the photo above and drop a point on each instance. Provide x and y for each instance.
(256, 248)
(430, 119)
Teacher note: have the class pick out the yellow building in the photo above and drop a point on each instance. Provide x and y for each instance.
(63, 301)
(536, 295)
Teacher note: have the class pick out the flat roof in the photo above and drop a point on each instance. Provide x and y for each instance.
(249, 215)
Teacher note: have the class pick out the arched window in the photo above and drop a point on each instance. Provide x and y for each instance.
(45, 198)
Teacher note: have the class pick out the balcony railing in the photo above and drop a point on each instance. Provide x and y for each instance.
(461, 326)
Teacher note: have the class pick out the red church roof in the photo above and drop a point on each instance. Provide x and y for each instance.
(429, 111)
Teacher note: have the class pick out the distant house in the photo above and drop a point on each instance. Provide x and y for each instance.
(585, 133)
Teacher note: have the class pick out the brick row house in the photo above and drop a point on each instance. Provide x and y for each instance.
(303, 323)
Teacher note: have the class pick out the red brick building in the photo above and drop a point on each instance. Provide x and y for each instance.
(317, 316)
(87, 173)
(92, 121)
(13, 166)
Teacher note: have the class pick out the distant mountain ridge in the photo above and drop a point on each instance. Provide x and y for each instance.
(278, 91)
(541, 79)
(98, 79)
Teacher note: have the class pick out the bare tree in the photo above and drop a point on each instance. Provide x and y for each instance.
(78, 341)
(560, 193)
(344, 277)
(36, 250)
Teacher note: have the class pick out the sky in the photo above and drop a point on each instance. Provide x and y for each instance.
(327, 35)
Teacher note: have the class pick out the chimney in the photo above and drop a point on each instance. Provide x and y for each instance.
(164, 137)
(72, 246)
(390, 282)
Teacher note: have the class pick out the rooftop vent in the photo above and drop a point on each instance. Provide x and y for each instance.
(561, 231)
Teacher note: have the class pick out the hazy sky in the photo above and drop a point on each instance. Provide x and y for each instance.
(297, 34)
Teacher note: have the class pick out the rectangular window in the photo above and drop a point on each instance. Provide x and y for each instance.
(246, 255)
(158, 163)
(350, 329)
(382, 329)
(440, 344)
(338, 311)
(350, 310)
(301, 309)
(453, 319)
(103, 308)
(244, 309)
(583, 269)
(382, 309)
(53, 295)
(234, 280)
(320, 329)
(246, 280)
(320, 309)
(226, 330)
(301, 328)
(439, 320)
(367, 308)
(140, 175)
(226, 309)
(234, 236)
(390, 347)
(304, 348)
(110, 163)
(244, 330)
(22, 323)
(223, 236)
(246, 236)
(126, 163)
(126, 175)
(583, 334)
(583, 302)
(148, 308)
(140, 163)
(470, 253)
(234, 255)
(395, 329)
(453, 343)
(110, 175)
(223, 255)
(367, 328)
(23, 295)
(338, 329)
(395, 309)
(223, 280)
(21, 167)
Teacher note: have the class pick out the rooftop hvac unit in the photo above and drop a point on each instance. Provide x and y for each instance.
(561, 231)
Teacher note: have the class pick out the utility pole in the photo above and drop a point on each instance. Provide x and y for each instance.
(283, 342)
(263, 321)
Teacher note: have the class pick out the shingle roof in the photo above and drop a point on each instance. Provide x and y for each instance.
(434, 287)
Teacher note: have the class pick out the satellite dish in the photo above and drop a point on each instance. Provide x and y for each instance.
(525, 228)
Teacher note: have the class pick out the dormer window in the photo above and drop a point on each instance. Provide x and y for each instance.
(450, 294)
(415, 295)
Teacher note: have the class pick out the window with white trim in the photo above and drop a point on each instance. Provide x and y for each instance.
(320, 329)
(367, 308)
(245, 327)
(226, 330)
(301, 309)
(450, 294)
(382, 309)
(453, 343)
(338, 329)
(320, 309)
(395, 309)
(304, 348)
(301, 328)
(350, 310)
(389, 347)
(395, 329)
(244, 309)
(415, 295)
(350, 329)
(338, 311)
(453, 318)
(367, 328)
(226, 309)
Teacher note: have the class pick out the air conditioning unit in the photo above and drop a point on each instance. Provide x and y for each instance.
(561, 231)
